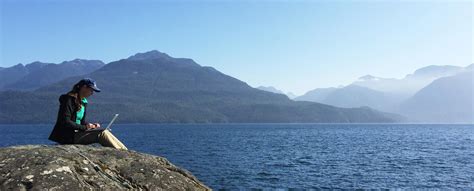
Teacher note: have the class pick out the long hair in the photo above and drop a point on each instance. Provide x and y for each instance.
(75, 93)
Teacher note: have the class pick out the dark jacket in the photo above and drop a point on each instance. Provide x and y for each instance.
(63, 131)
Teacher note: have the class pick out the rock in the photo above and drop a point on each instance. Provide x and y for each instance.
(80, 167)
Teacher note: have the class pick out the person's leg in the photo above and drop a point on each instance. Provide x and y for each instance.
(107, 139)
(87, 137)
(104, 137)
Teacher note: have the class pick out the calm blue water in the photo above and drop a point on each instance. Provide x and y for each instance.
(235, 156)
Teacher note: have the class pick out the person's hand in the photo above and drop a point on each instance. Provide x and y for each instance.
(90, 126)
(97, 125)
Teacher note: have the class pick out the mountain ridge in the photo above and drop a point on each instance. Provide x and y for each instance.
(37, 74)
(161, 89)
(377, 97)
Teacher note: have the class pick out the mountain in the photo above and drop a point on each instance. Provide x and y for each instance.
(351, 96)
(39, 74)
(316, 95)
(270, 89)
(12, 74)
(411, 83)
(154, 87)
(154, 54)
(445, 100)
(356, 96)
(275, 90)
(435, 71)
(16, 72)
(385, 94)
(470, 67)
(291, 95)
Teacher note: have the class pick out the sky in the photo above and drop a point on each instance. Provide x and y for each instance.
(294, 46)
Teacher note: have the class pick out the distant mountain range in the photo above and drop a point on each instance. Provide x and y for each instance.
(154, 87)
(37, 74)
(277, 91)
(445, 100)
(409, 96)
(411, 83)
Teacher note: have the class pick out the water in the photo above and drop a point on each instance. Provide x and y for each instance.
(236, 156)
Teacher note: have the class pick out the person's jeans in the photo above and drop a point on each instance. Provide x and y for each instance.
(102, 136)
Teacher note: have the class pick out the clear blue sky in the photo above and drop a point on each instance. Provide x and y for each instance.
(294, 46)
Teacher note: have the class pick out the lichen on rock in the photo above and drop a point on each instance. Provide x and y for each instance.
(80, 167)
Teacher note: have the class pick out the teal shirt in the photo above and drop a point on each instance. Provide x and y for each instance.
(80, 113)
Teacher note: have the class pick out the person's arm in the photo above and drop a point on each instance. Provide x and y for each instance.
(66, 111)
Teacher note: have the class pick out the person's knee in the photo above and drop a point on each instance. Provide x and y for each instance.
(104, 133)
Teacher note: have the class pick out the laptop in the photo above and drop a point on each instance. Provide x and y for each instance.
(109, 126)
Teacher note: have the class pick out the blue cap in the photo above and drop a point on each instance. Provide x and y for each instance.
(90, 83)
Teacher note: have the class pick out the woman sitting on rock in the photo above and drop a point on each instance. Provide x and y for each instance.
(71, 126)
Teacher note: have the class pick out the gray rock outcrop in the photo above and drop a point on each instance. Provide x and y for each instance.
(79, 167)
